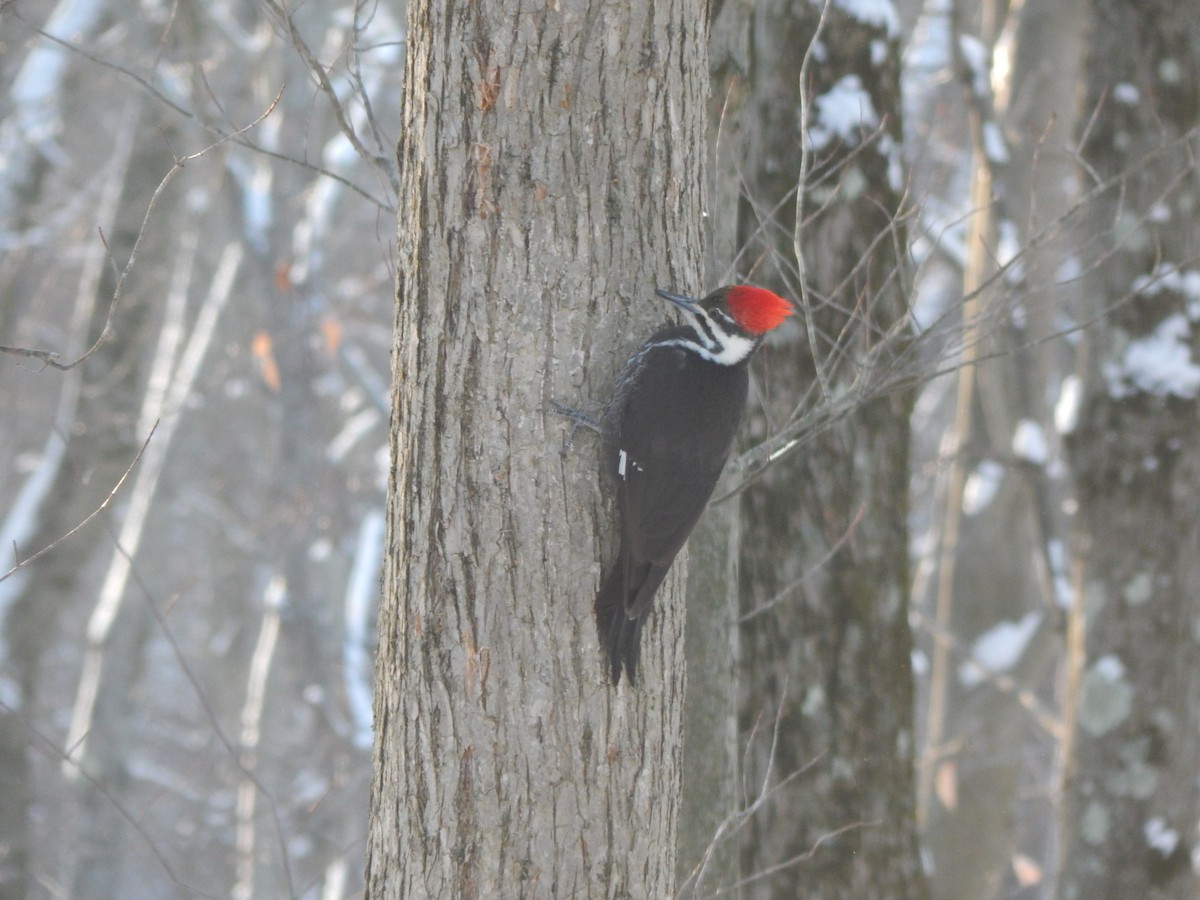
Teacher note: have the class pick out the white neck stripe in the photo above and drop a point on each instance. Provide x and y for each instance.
(734, 349)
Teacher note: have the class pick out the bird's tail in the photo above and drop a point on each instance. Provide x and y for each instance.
(620, 635)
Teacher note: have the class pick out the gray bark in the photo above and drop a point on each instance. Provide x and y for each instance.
(1132, 799)
(826, 640)
(710, 818)
(708, 821)
(552, 164)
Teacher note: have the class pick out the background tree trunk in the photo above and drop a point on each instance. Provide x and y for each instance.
(1133, 800)
(552, 165)
(990, 752)
(827, 695)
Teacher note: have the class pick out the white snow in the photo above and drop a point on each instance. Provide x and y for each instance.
(1159, 363)
(1170, 71)
(1008, 241)
(981, 487)
(920, 662)
(994, 146)
(937, 289)
(1160, 837)
(1068, 270)
(35, 91)
(998, 649)
(1029, 442)
(1066, 410)
(1167, 277)
(943, 228)
(975, 55)
(928, 49)
(842, 112)
(1057, 556)
(1159, 213)
(361, 589)
(880, 13)
(1109, 668)
(890, 150)
(1126, 93)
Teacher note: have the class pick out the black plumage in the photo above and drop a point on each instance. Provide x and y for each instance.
(666, 434)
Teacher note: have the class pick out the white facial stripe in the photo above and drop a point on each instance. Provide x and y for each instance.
(733, 351)
(704, 330)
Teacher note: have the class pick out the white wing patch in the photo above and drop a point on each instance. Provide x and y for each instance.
(623, 460)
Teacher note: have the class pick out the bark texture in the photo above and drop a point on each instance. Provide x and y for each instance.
(827, 692)
(1132, 799)
(552, 162)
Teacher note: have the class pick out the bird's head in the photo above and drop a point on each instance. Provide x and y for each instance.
(730, 322)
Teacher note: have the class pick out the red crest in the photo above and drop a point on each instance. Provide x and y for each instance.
(756, 309)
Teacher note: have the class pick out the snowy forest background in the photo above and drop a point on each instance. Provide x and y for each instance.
(197, 218)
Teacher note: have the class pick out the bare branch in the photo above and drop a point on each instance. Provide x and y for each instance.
(810, 325)
(103, 506)
(51, 358)
(895, 362)
(237, 136)
(378, 161)
(134, 821)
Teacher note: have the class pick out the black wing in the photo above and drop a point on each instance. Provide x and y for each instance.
(668, 432)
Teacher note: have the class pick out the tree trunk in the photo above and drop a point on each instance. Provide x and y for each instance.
(552, 162)
(1132, 798)
(987, 762)
(827, 700)
(707, 855)
(708, 849)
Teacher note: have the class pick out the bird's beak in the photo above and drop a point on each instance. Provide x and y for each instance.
(687, 304)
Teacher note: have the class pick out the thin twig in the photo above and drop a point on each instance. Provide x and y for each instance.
(134, 821)
(237, 136)
(51, 358)
(799, 857)
(783, 592)
(810, 326)
(99, 509)
(378, 161)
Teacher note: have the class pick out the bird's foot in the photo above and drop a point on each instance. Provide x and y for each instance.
(578, 418)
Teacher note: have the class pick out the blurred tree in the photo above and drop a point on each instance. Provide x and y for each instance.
(175, 676)
(1129, 828)
(827, 691)
(991, 731)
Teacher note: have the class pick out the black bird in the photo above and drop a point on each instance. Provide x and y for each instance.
(667, 433)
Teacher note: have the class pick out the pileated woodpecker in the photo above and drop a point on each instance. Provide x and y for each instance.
(666, 433)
